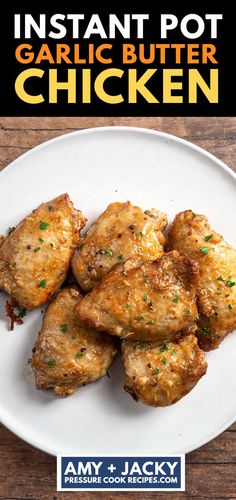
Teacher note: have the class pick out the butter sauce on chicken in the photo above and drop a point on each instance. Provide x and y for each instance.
(162, 308)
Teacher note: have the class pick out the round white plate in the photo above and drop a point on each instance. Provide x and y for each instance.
(96, 167)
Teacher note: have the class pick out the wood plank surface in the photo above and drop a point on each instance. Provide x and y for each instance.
(27, 473)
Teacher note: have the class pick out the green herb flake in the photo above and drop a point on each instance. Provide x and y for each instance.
(128, 306)
(41, 240)
(51, 363)
(73, 337)
(145, 297)
(174, 351)
(14, 264)
(204, 250)
(176, 298)
(50, 207)
(229, 282)
(79, 355)
(140, 318)
(150, 322)
(22, 312)
(42, 283)
(156, 371)
(164, 348)
(205, 330)
(140, 233)
(43, 225)
(143, 343)
(10, 230)
(164, 360)
(230, 307)
(187, 312)
(208, 237)
(64, 327)
(106, 251)
(120, 257)
(220, 278)
(36, 249)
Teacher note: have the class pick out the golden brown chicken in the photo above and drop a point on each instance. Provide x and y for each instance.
(193, 237)
(144, 301)
(35, 257)
(161, 375)
(122, 231)
(66, 354)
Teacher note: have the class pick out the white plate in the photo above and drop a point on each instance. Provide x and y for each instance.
(95, 167)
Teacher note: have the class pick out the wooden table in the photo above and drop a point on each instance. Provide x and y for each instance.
(29, 473)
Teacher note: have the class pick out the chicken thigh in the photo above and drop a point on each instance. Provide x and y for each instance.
(122, 231)
(193, 237)
(35, 257)
(144, 300)
(161, 375)
(66, 354)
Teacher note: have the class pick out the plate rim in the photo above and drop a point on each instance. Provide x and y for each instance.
(117, 128)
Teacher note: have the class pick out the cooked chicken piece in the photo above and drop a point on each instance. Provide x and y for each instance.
(66, 354)
(2, 239)
(144, 300)
(161, 375)
(193, 237)
(35, 257)
(122, 231)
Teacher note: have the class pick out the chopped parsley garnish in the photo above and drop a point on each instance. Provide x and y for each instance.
(79, 355)
(220, 278)
(51, 362)
(10, 230)
(140, 318)
(174, 351)
(43, 225)
(36, 249)
(176, 298)
(120, 257)
(164, 360)
(156, 371)
(205, 330)
(145, 297)
(41, 240)
(42, 284)
(187, 312)
(150, 322)
(140, 233)
(50, 207)
(143, 343)
(204, 250)
(229, 282)
(64, 327)
(208, 237)
(106, 251)
(73, 337)
(128, 306)
(230, 307)
(165, 347)
(22, 312)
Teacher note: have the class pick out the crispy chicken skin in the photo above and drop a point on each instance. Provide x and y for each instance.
(66, 354)
(193, 237)
(144, 300)
(122, 231)
(161, 375)
(2, 239)
(35, 257)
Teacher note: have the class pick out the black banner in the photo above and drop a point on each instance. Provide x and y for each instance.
(83, 61)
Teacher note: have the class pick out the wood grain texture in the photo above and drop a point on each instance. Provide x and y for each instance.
(27, 473)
